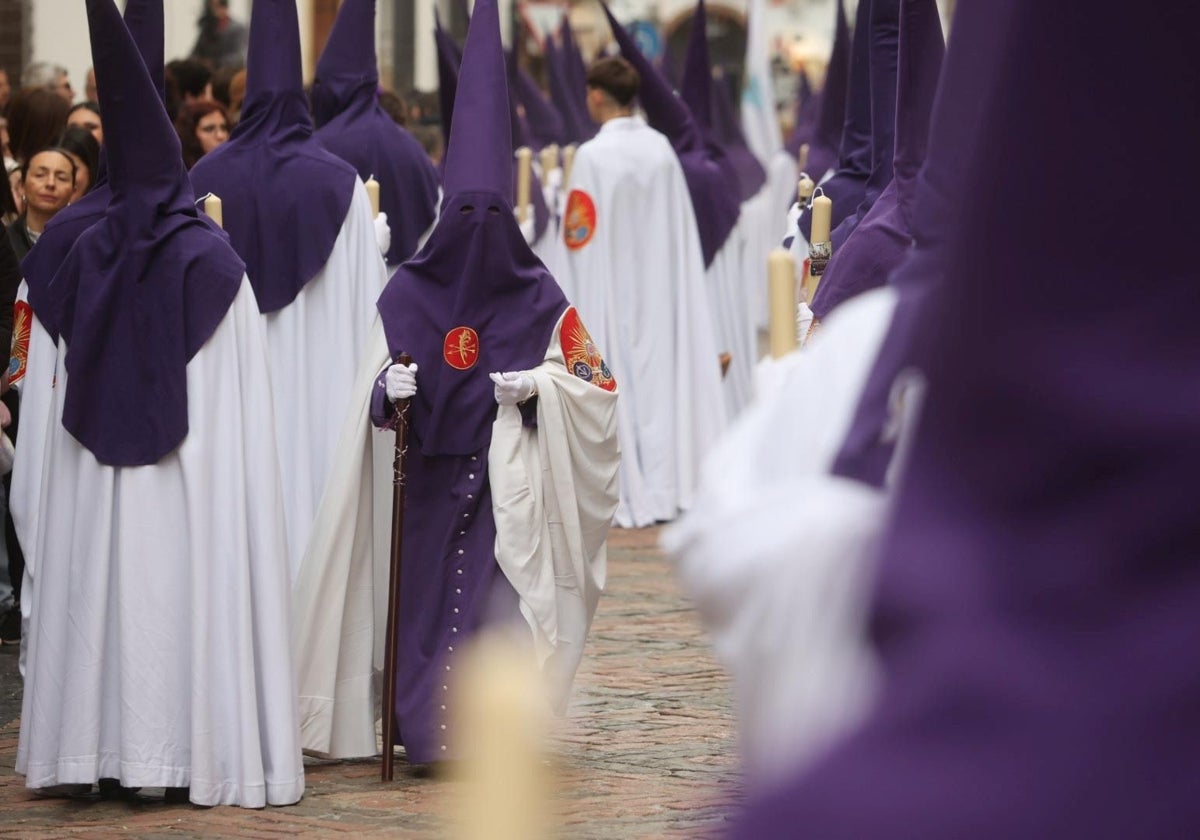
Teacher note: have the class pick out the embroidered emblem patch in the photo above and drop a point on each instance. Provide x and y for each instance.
(579, 223)
(581, 354)
(22, 323)
(461, 349)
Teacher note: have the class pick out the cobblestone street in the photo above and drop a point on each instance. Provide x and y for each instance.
(647, 751)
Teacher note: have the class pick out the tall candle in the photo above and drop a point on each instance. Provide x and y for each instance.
(822, 212)
(804, 189)
(802, 157)
(212, 206)
(524, 167)
(781, 297)
(568, 153)
(373, 194)
(549, 158)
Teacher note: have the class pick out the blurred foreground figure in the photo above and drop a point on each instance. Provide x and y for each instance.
(511, 483)
(149, 501)
(1035, 614)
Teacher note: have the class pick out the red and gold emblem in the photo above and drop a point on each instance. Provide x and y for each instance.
(581, 354)
(22, 323)
(461, 348)
(579, 223)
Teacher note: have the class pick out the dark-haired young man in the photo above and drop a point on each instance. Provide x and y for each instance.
(634, 265)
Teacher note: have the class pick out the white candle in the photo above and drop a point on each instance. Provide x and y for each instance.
(568, 161)
(804, 189)
(821, 214)
(212, 206)
(802, 157)
(524, 168)
(549, 158)
(373, 193)
(781, 295)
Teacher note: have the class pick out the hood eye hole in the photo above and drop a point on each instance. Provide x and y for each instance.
(467, 209)
(494, 210)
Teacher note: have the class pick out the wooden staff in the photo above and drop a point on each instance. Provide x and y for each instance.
(373, 193)
(389, 655)
(549, 159)
(524, 169)
(212, 208)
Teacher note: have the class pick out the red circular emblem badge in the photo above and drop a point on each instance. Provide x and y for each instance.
(579, 223)
(461, 348)
(581, 355)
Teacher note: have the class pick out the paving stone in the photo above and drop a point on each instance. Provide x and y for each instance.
(647, 749)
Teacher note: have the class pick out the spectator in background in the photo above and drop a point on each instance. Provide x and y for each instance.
(222, 78)
(43, 74)
(202, 126)
(36, 117)
(87, 115)
(5, 91)
(394, 107)
(222, 41)
(47, 180)
(81, 145)
(193, 80)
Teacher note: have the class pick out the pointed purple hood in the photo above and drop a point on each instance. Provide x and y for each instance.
(285, 197)
(144, 20)
(848, 184)
(559, 76)
(827, 133)
(144, 288)
(576, 76)
(707, 170)
(475, 271)
(878, 245)
(727, 126)
(808, 106)
(354, 127)
(544, 122)
(695, 85)
(1038, 588)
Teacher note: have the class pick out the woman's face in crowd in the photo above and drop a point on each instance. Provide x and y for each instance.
(49, 182)
(212, 131)
(83, 178)
(89, 119)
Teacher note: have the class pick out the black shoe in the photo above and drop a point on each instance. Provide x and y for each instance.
(10, 626)
(177, 796)
(113, 789)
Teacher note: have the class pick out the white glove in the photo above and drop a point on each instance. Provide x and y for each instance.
(804, 319)
(529, 226)
(513, 388)
(383, 233)
(401, 382)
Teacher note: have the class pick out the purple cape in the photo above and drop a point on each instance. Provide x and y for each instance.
(1038, 592)
(285, 197)
(145, 287)
(354, 127)
(144, 20)
(877, 245)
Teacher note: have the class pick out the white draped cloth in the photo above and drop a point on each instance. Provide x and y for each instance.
(314, 345)
(159, 651)
(554, 490)
(778, 553)
(638, 279)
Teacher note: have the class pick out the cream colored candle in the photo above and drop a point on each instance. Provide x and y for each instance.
(212, 207)
(549, 158)
(781, 296)
(524, 168)
(373, 194)
(822, 212)
(802, 157)
(568, 154)
(804, 189)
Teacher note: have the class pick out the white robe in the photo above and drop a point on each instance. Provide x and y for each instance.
(731, 297)
(778, 553)
(159, 646)
(640, 286)
(554, 491)
(314, 344)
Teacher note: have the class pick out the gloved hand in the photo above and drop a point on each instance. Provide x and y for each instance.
(551, 187)
(529, 226)
(383, 233)
(513, 388)
(804, 319)
(401, 382)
